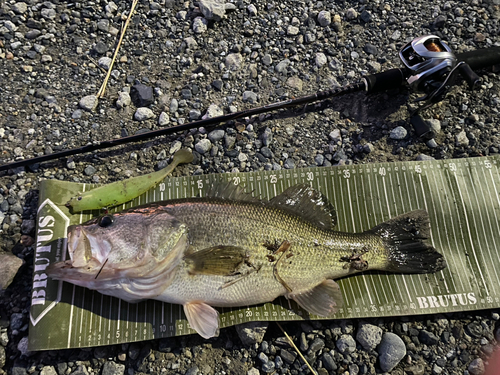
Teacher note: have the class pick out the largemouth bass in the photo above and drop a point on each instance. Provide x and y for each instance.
(230, 249)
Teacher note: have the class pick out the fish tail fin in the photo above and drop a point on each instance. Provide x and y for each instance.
(404, 237)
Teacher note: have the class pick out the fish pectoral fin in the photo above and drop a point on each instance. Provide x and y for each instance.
(217, 260)
(323, 300)
(203, 318)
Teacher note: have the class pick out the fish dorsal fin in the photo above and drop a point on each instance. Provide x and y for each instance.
(229, 191)
(307, 203)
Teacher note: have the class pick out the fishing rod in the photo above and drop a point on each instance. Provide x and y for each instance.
(430, 66)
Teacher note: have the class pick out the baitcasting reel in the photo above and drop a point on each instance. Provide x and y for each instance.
(431, 67)
(429, 61)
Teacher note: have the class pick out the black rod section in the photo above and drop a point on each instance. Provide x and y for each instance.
(321, 95)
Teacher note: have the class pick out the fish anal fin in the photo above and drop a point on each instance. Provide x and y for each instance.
(307, 203)
(217, 260)
(323, 300)
(203, 318)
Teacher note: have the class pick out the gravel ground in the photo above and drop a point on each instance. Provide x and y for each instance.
(182, 60)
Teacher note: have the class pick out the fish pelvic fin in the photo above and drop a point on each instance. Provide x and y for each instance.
(404, 237)
(324, 299)
(203, 318)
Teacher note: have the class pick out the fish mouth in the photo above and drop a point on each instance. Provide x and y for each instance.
(81, 260)
(79, 246)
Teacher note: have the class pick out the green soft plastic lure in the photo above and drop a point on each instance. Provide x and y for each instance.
(119, 192)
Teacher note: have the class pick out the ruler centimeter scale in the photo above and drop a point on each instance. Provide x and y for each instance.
(460, 195)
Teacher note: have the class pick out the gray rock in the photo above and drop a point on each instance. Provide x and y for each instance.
(216, 135)
(431, 143)
(346, 344)
(88, 103)
(250, 97)
(366, 16)
(2, 357)
(193, 370)
(22, 346)
(461, 139)
(174, 106)
(369, 336)
(251, 333)
(370, 49)
(292, 30)
(398, 133)
(320, 59)
(212, 9)
(105, 62)
(396, 35)
(435, 125)
(16, 321)
(422, 157)
(351, 14)
(289, 163)
(123, 100)
(103, 25)
(203, 146)
(19, 8)
(436, 369)
(213, 110)
(252, 10)
(391, 351)
(476, 367)
(9, 265)
(48, 14)
(374, 66)
(282, 66)
(335, 135)
(287, 356)
(317, 345)
(113, 368)
(267, 136)
(48, 370)
(89, 170)
(267, 365)
(163, 119)
(267, 59)
(143, 114)
(234, 61)
(9, 25)
(319, 159)
(324, 18)
(141, 95)
(368, 148)
(200, 25)
(191, 42)
(194, 114)
(46, 59)
(329, 362)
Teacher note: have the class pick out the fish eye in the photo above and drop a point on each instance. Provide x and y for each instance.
(105, 221)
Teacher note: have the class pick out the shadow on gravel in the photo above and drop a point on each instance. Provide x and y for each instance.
(369, 110)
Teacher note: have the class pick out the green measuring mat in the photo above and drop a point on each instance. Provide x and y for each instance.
(460, 195)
